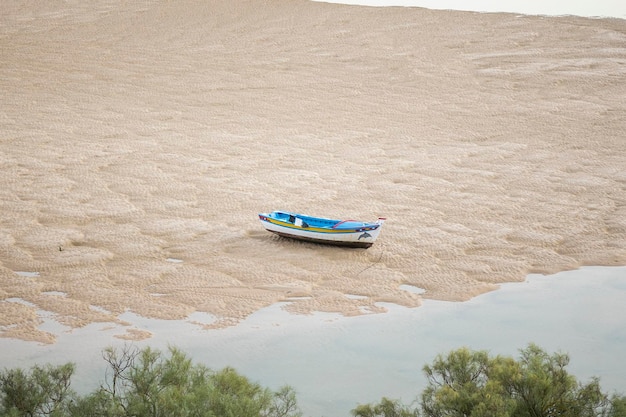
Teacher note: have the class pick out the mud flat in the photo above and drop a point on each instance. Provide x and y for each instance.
(139, 140)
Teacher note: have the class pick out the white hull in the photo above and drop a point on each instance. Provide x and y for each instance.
(352, 238)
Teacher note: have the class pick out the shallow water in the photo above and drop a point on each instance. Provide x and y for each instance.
(613, 8)
(336, 363)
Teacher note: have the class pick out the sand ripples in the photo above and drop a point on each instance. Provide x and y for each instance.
(138, 142)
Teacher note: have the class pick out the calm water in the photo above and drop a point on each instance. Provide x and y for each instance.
(601, 8)
(335, 363)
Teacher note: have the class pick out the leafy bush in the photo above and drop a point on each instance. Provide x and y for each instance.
(469, 383)
(143, 383)
(148, 383)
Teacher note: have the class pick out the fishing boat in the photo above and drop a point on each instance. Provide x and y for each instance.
(351, 233)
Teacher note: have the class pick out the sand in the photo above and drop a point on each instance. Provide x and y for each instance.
(139, 140)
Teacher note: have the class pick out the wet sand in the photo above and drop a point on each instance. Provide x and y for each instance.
(138, 142)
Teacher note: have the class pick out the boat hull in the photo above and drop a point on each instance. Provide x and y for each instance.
(324, 240)
(348, 233)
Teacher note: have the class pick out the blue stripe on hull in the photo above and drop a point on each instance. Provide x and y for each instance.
(363, 227)
(351, 233)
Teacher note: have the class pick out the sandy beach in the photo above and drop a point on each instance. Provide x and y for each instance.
(139, 140)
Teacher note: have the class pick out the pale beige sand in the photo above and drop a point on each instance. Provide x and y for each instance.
(135, 135)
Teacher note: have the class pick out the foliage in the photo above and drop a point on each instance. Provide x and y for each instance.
(144, 383)
(45, 391)
(618, 406)
(472, 384)
(149, 383)
(386, 408)
(459, 385)
(467, 383)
